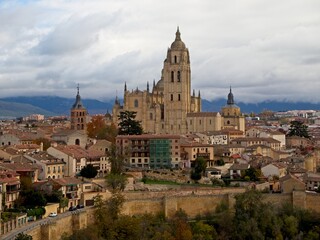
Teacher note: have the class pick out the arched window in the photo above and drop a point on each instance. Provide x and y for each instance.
(77, 142)
(179, 98)
(228, 122)
(172, 76)
(178, 76)
(136, 103)
(175, 59)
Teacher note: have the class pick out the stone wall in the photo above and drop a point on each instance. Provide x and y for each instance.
(192, 202)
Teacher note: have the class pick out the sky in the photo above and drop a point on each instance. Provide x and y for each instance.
(265, 49)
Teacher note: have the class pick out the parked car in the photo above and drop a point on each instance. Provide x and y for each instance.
(72, 208)
(53, 214)
(80, 206)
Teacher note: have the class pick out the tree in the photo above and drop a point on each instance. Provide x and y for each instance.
(46, 143)
(117, 182)
(253, 174)
(31, 199)
(200, 165)
(96, 128)
(23, 236)
(89, 171)
(128, 125)
(297, 128)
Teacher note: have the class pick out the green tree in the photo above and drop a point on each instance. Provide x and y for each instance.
(297, 128)
(89, 171)
(200, 165)
(255, 219)
(31, 199)
(116, 179)
(23, 236)
(128, 125)
(203, 231)
(253, 174)
(117, 182)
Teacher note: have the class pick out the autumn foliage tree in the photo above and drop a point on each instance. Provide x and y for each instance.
(97, 128)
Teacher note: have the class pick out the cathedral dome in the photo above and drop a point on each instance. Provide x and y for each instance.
(178, 44)
(160, 84)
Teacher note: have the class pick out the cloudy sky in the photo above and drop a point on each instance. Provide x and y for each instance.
(264, 49)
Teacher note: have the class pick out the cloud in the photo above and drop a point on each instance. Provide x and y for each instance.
(266, 50)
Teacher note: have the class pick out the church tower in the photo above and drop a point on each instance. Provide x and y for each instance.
(232, 115)
(177, 87)
(78, 114)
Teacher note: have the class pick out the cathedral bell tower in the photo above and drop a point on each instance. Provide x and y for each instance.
(78, 114)
(177, 87)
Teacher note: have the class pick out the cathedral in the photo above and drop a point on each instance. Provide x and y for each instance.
(169, 107)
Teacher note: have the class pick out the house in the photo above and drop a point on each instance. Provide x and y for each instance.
(49, 166)
(290, 183)
(191, 151)
(312, 181)
(274, 169)
(70, 187)
(77, 157)
(70, 137)
(251, 141)
(213, 173)
(237, 170)
(24, 169)
(101, 145)
(9, 187)
(150, 151)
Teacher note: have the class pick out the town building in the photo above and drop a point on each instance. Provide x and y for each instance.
(150, 151)
(77, 158)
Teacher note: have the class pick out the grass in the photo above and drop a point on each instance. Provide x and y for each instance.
(162, 182)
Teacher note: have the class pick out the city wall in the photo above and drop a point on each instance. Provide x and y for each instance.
(193, 203)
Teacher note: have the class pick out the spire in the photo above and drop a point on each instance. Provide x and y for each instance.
(199, 95)
(125, 86)
(116, 101)
(194, 93)
(154, 83)
(178, 38)
(78, 103)
(230, 98)
(147, 86)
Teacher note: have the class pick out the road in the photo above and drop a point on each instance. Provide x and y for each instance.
(30, 225)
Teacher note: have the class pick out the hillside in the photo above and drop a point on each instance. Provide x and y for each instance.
(49, 106)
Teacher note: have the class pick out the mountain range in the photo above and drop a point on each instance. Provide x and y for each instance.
(12, 107)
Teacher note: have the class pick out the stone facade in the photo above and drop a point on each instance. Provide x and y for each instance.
(170, 108)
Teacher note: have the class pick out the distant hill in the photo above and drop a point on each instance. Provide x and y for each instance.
(59, 105)
(259, 107)
(14, 110)
(50, 106)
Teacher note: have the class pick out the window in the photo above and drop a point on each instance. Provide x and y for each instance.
(172, 76)
(228, 122)
(151, 116)
(136, 103)
(175, 59)
(199, 122)
(179, 98)
(190, 122)
(171, 97)
(178, 76)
